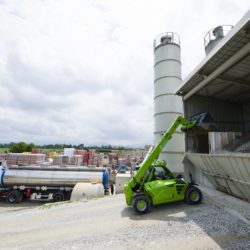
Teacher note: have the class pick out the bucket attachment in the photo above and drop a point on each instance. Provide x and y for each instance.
(203, 123)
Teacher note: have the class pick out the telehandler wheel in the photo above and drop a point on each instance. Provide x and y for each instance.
(13, 197)
(141, 204)
(193, 195)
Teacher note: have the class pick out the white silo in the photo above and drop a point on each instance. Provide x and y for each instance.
(167, 106)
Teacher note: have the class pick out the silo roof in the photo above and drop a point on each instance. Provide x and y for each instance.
(225, 72)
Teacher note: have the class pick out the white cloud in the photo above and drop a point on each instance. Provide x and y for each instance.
(82, 71)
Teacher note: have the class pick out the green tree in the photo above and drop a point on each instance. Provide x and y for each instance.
(21, 147)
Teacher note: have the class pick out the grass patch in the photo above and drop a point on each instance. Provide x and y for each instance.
(3, 150)
(54, 204)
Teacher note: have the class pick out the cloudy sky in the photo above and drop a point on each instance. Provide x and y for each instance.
(81, 71)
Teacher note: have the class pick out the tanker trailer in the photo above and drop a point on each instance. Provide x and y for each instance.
(49, 183)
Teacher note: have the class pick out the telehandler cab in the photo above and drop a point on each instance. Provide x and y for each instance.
(154, 183)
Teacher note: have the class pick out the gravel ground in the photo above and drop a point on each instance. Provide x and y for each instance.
(107, 223)
(6, 208)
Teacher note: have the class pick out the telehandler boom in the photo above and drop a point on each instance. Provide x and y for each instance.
(153, 183)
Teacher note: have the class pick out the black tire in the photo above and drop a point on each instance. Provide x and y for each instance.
(14, 196)
(58, 197)
(193, 195)
(141, 204)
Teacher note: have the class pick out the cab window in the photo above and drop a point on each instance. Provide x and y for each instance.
(161, 173)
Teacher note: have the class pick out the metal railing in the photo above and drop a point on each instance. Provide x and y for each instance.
(216, 33)
(166, 38)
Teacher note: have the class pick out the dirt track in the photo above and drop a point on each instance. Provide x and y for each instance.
(107, 223)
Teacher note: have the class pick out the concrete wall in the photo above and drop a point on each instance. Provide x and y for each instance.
(229, 173)
(196, 172)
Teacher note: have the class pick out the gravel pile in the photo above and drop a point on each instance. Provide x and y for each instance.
(238, 146)
(244, 148)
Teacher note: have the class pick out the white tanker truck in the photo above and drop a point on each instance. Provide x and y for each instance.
(50, 183)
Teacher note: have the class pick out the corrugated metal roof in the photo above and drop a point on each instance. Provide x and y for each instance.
(232, 56)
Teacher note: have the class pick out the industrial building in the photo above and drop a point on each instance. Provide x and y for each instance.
(220, 85)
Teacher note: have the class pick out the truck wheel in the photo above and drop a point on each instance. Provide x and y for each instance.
(193, 195)
(58, 197)
(13, 197)
(141, 204)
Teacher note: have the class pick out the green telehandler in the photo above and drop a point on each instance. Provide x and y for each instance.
(154, 183)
